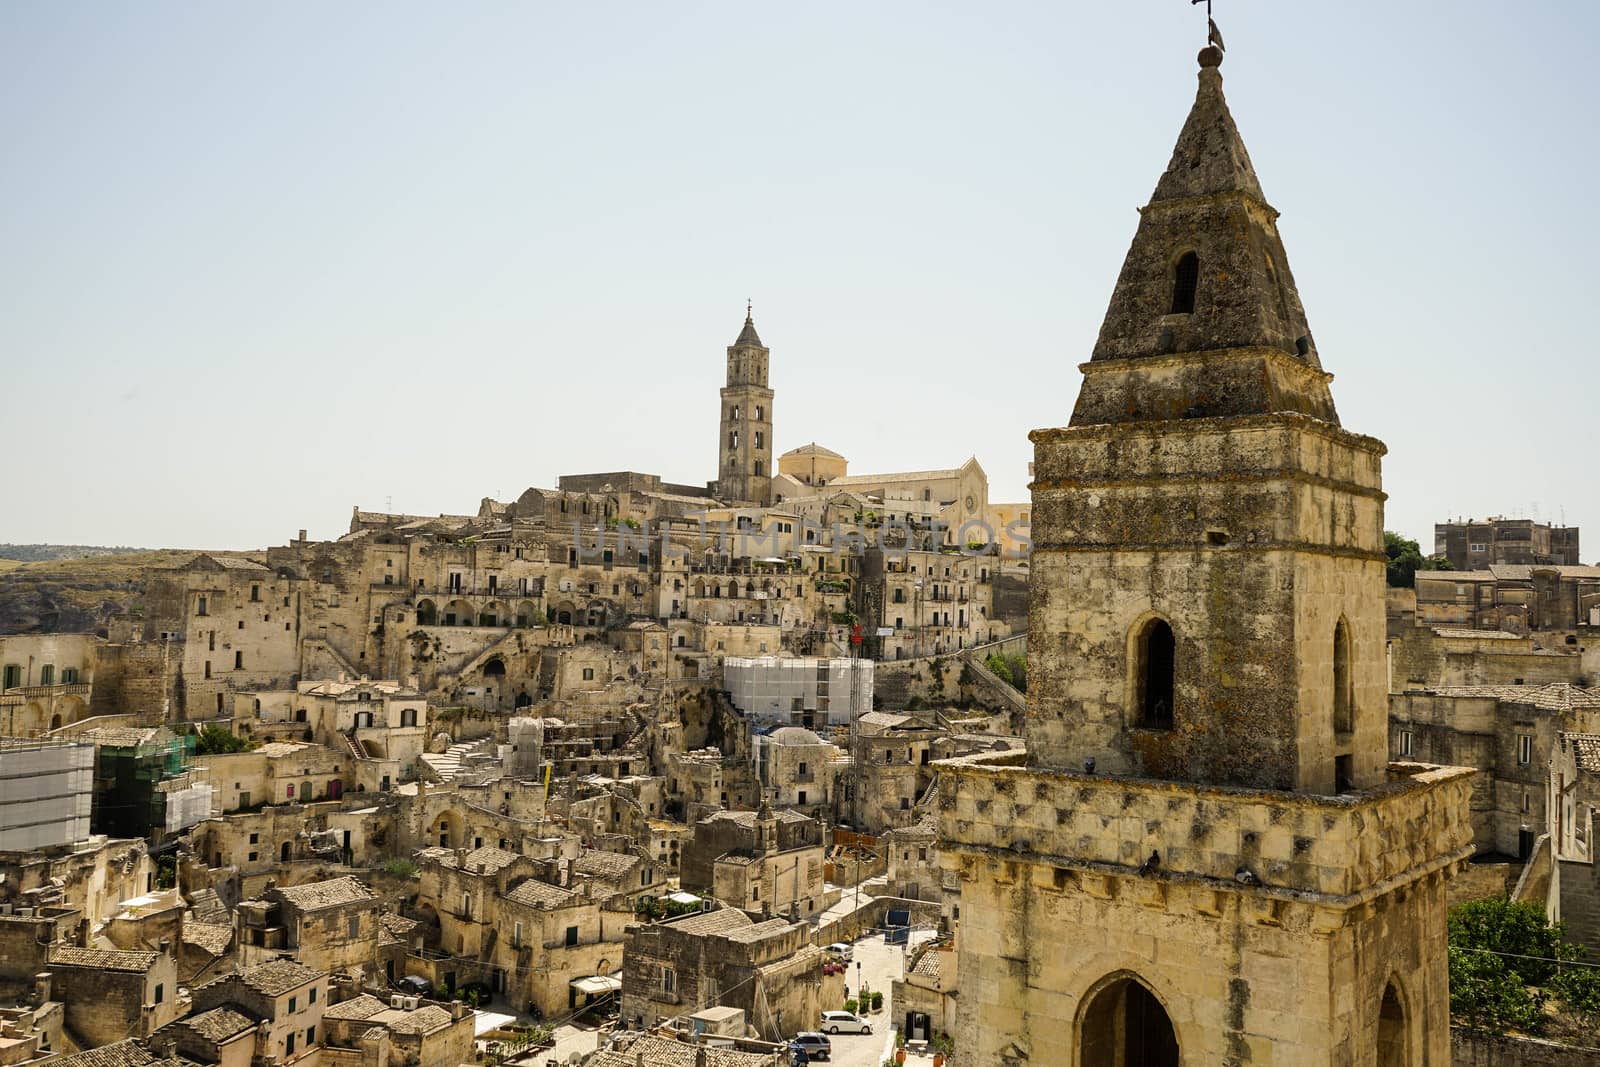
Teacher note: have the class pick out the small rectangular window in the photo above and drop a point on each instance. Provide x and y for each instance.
(1524, 749)
(312, 997)
(161, 992)
(572, 936)
(1405, 743)
(292, 1002)
(288, 1043)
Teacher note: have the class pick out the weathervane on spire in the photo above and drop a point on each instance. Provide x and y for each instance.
(1213, 35)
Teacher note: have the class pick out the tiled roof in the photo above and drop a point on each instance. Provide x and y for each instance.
(398, 925)
(664, 1052)
(757, 931)
(596, 863)
(488, 859)
(708, 923)
(208, 908)
(313, 896)
(278, 977)
(750, 818)
(928, 964)
(1557, 696)
(120, 736)
(219, 1024)
(423, 1020)
(212, 937)
(897, 476)
(537, 894)
(127, 1053)
(103, 959)
(1586, 749)
(363, 1007)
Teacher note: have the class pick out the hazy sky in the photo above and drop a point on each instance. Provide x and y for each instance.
(263, 262)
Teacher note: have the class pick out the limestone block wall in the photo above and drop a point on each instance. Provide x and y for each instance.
(1225, 529)
(1268, 926)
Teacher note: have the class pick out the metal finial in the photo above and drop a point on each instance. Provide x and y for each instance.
(749, 309)
(1213, 35)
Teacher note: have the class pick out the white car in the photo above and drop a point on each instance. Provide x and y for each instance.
(842, 1022)
(840, 950)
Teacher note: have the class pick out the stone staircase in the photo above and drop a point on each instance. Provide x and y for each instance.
(446, 764)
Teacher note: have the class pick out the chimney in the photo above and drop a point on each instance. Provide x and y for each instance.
(701, 1057)
(41, 987)
(302, 535)
(164, 946)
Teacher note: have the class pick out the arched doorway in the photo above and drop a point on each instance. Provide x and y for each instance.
(427, 613)
(1391, 1030)
(1124, 1025)
(283, 853)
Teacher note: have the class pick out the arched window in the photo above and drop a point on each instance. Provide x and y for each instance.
(1391, 1030)
(1343, 689)
(1125, 1024)
(1155, 664)
(1185, 277)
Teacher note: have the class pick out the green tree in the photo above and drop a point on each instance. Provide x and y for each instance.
(214, 740)
(1013, 670)
(1406, 559)
(1505, 962)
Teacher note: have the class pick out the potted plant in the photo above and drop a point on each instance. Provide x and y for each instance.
(943, 1046)
(877, 1001)
(899, 1046)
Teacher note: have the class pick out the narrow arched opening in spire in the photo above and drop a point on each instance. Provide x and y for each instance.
(1343, 688)
(1155, 665)
(1185, 279)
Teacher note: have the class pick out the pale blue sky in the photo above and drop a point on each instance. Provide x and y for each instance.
(264, 262)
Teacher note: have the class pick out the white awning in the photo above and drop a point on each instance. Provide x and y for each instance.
(596, 984)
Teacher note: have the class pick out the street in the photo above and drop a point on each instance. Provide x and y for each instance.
(881, 964)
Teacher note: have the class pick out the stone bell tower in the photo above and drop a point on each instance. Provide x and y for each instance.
(744, 469)
(1205, 857)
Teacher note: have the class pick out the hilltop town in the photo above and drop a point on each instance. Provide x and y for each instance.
(1169, 763)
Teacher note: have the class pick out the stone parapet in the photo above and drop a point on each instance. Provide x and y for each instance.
(1339, 849)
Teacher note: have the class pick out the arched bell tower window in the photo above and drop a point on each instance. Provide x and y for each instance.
(1155, 662)
(1185, 277)
(1343, 689)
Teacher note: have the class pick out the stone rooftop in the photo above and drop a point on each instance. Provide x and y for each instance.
(219, 1024)
(278, 977)
(600, 864)
(1586, 749)
(313, 896)
(212, 937)
(127, 1053)
(485, 860)
(1557, 696)
(537, 894)
(103, 959)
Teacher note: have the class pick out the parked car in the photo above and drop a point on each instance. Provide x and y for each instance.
(415, 985)
(843, 1022)
(816, 1046)
(839, 950)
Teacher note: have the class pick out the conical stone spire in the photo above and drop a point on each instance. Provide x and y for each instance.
(748, 335)
(1206, 292)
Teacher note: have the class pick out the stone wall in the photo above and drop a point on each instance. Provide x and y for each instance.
(1472, 1048)
(1580, 902)
(1264, 921)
